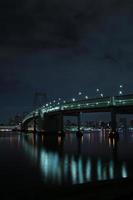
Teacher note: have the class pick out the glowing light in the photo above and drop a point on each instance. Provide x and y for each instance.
(73, 170)
(66, 164)
(120, 93)
(97, 90)
(111, 169)
(73, 99)
(99, 170)
(80, 170)
(80, 93)
(124, 171)
(86, 97)
(88, 170)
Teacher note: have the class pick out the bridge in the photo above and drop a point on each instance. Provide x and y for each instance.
(50, 116)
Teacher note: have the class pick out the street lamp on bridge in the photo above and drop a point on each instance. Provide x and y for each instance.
(79, 95)
(99, 92)
(86, 97)
(120, 91)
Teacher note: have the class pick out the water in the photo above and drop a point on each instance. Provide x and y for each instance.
(35, 159)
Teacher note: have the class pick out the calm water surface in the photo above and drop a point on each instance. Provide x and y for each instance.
(29, 158)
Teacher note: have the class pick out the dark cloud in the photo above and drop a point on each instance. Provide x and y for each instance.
(50, 23)
(61, 47)
(12, 86)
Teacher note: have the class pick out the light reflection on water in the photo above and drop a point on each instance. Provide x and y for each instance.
(67, 160)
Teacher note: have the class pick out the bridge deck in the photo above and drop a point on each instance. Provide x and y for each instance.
(87, 105)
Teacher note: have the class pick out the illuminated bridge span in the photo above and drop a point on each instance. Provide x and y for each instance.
(50, 116)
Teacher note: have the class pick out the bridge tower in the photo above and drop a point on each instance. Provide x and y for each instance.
(40, 99)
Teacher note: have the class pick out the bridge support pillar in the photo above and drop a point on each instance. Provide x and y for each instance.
(113, 132)
(79, 121)
(24, 127)
(113, 121)
(34, 124)
(54, 124)
(61, 125)
(79, 133)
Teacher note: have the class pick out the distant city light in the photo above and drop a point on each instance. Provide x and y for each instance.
(80, 93)
(73, 99)
(101, 95)
(97, 90)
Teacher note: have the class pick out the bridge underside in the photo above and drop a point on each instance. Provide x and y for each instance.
(54, 123)
(118, 110)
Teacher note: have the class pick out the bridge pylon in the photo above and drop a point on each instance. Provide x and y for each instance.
(40, 98)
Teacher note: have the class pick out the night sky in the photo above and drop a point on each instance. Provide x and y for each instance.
(62, 47)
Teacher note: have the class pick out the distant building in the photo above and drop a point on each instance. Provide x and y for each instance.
(15, 120)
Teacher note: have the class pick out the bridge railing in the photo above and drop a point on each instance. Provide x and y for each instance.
(124, 100)
(84, 104)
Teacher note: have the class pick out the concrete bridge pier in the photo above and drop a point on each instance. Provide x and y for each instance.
(113, 121)
(24, 127)
(113, 132)
(79, 121)
(34, 124)
(54, 124)
(61, 125)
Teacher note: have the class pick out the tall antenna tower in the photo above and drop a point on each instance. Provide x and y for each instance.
(40, 98)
